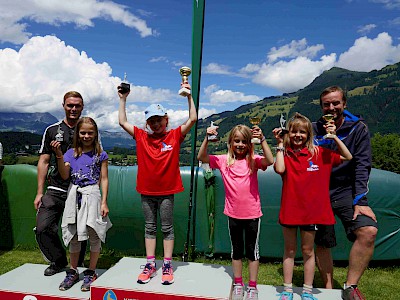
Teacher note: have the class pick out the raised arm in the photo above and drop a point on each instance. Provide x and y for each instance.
(203, 155)
(279, 165)
(344, 152)
(268, 157)
(123, 122)
(185, 128)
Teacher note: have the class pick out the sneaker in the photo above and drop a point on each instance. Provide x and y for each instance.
(285, 296)
(88, 277)
(167, 274)
(149, 271)
(307, 296)
(352, 293)
(237, 292)
(53, 269)
(251, 293)
(71, 278)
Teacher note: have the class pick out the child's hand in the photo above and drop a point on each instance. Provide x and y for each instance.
(122, 96)
(186, 85)
(277, 134)
(104, 210)
(56, 146)
(256, 132)
(212, 130)
(330, 127)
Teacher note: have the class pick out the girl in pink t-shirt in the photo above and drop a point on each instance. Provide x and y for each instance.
(242, 200)
(305, 170)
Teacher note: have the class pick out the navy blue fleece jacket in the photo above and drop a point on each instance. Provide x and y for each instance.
(351, 177)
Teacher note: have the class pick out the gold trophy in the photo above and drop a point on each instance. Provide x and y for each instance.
(255, 121)
(185, 72)
(328, 118)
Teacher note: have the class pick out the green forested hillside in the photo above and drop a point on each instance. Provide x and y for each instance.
(374, 95)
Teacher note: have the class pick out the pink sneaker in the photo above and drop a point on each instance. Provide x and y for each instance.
(149, 271)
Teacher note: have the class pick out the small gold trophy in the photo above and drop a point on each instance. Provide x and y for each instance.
(185, 72)
(328, 118)
(255, 121)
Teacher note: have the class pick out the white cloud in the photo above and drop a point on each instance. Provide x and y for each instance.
(294, 49)
(293, 75)
(369, 54)
(220, 97)
(366, 28)
(35, 79)
(214, 68)
(13, 29)
(389, 4)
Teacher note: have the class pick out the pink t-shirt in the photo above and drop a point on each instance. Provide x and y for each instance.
(242, 198)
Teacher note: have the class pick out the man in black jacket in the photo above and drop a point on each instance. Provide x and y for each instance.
(50, 205)
(348, 192)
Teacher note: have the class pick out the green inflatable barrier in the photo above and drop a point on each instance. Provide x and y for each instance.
(18, 189)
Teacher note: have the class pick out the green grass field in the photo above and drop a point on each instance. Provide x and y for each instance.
(377, 281)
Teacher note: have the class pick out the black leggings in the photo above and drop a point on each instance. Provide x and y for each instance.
(251, 230)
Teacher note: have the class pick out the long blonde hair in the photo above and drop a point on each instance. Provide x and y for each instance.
(298, 120)
(246, 132)
(78, 146)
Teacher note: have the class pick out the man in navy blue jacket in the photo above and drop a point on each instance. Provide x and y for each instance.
(348, 191)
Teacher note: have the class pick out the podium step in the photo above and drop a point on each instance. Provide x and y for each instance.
(193, 281)
(27, 282)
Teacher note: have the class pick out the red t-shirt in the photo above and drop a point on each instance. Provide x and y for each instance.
(305, 191)
(158, 162)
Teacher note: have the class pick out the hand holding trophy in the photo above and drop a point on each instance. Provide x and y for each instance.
(255, 121)
(213, 137)
(282, 121)
(185, 72)
(328, 118)
(124, 87)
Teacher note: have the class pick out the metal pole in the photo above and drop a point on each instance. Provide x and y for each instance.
(197, 50)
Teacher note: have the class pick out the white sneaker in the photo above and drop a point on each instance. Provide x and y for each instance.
(237, 292)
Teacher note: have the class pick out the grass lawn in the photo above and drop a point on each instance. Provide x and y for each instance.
(381, 279)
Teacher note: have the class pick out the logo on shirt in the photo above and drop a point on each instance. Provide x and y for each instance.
(312, 167)
(166, 147)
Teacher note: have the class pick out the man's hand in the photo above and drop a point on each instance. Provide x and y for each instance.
(364, 210)
(38, 201)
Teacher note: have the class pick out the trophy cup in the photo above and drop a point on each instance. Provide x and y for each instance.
(328, 118)
(124, 87)
(185, 72)
(282, 121)
(255, 121)
(214, 137)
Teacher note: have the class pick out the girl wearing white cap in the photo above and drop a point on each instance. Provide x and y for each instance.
(158, 177)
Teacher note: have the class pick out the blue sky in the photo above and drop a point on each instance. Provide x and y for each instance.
(252, 49)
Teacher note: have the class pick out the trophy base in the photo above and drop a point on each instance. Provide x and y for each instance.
(255, 141)
(184, 92)
(329, 136)
(213, 138)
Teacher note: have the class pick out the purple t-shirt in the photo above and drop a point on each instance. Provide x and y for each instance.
(85, 169)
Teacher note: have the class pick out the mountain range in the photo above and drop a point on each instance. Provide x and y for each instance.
(374, 95)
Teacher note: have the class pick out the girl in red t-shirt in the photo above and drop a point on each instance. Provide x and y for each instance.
(305, 203)
(158, 178)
